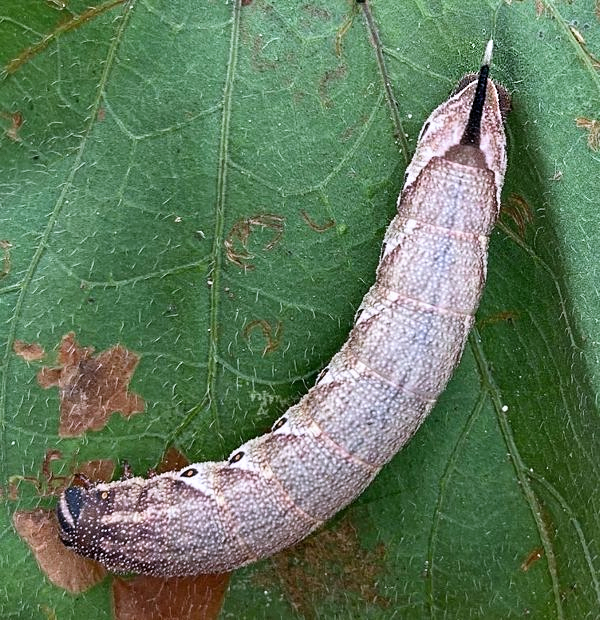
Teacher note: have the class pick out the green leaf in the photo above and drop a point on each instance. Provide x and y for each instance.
(208, 185)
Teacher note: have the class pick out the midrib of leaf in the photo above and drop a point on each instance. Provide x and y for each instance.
(399, 133)
(214, 272)
(55, 214)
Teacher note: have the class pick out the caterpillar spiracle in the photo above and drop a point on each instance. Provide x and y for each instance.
(409, 334)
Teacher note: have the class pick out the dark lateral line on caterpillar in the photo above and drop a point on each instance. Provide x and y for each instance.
(472, 131)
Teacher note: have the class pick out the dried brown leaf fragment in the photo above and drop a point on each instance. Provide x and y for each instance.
(91, 387)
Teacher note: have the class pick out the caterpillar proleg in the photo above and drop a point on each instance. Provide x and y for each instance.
(408, 337)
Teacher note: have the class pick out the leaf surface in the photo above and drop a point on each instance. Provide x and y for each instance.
(207, 184)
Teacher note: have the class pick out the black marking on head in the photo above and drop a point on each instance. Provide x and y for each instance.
(423, 130)
(504, 98)
(471, 135)
(236, 457)
(320, 375)
(66, 541)
(68, 511)
(74, 502)
(278, 424)
(189, 473)
(65, 524)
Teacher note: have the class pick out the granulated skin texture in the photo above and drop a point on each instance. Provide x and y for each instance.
(324, 451)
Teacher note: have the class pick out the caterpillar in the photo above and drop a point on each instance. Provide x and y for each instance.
(408, 337)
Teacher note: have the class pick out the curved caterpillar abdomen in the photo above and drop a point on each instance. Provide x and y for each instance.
(409, 335)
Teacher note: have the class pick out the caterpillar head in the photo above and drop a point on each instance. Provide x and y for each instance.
(468, 127)
(136, 525)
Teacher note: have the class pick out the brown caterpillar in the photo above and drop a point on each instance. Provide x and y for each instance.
(409, 335)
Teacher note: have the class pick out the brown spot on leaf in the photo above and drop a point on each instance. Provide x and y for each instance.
(179, 598)
(30, 352)
(318, 12)
(272, 336)
(246, 2)
(16, 120)
(172, 460)
(39, 529)
(316, 227)
(100, 470)
(91, 388)
(49, 612)
(260, 61)
(46, 482)
(13, 490)
(327, 565)
(47, 473)
(237, 241)
(5, 246)
(593, 127)
(350, 130)
(325, 83)
(519, 211)
(532, 558)
(343, 29)
(540, 8)
(507, 316)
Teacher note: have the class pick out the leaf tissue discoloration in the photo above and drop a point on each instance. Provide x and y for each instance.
(519, 211)
(593, 128)
(330, 223)
(30, 352)
(181, 598)
(91, 387)
(172, 459)
(325, 85)
(16, 121)
(39, 529)
(5, 247)
(97, 469)
(506, 316)
(327, 566)
(272, 335)
(238, 240)
(74, 22)
(534, 556)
